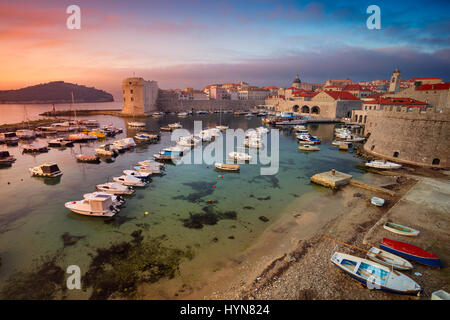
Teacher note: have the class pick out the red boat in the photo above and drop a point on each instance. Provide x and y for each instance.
(411, 252)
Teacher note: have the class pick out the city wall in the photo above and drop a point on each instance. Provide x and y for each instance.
(410, 136)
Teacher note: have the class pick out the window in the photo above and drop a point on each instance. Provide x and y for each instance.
(372, 147)
(131, 91)
(436, 161)
(395, 154)
(132, 99)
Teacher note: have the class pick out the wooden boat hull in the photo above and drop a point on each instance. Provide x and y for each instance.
(227, 167)
(399, 229)
(411, 252)
(388, 259)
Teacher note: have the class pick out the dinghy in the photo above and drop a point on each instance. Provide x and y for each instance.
(114, 188)
(388, 259)
(399, 229)
(411, 252)
(226, 167)
(381, 164)
(376, 276)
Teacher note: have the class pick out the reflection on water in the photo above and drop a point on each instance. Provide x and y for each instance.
(193, 208)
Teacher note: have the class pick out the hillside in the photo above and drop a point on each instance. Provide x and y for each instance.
(55, 92)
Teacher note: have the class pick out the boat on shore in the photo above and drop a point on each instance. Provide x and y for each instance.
(376, 201)
(411, 252)
(226, 167)
(114, 188)
(376, 276)
(382, 164)
(388, 259)
(399, 229)
(50, 170)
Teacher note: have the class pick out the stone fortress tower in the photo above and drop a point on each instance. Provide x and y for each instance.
(139, 96)
(395, 81)
(296, 83)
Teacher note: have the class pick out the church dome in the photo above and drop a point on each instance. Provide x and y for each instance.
(297, 80)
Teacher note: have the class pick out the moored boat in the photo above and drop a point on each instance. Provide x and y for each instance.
(381, 164)
(240, 156)
(308, 147)
(50, 170)
(114, 188)
(226, 167)
(60, 142)
(137, 174)
(10, 138)
(411, 252)
(25, 134)
(388, 259)
(136, 124)
(87, 158)
(6, 158)
(34, 148)
(130, 181)
(399, 229)
(101, 206)
(376, 276)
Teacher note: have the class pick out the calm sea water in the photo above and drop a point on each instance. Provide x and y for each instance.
(33, 217)
(14, 113)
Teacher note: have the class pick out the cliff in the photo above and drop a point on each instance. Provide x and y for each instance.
(55, 92)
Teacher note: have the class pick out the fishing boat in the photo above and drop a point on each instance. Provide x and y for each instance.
(136, 124)
(161, 156)
(175, 125)
(376, 276)
(376, 201)
(399, 229)
(182, 114)
(411, 252)
(339, 143)
(382, 164)
(308, 147)
(239, 156)
(25, 134)
(130, 181)
(137, 174)
(60, 142)
(143, 137)
(87, 158)
(226, 167)
(100, 206)
(388, 259)
(50, 170)
(148, 169)
(6, 158)
(10, 138)
(128, 142)
(100, 134)
(114, 188)
(116, 200)
(151, 163)
(34, 148)
(120, 146)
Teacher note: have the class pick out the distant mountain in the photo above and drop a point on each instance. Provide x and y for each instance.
(55, 92)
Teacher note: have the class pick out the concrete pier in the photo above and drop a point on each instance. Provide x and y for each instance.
(332, 179)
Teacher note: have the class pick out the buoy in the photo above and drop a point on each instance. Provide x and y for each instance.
(146, 212)
(222, 176)
(207, 167)
(210, 201)
(214, 186)
(21, 179)
(9, 182)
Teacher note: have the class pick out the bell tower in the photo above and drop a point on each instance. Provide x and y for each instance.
(394, 86)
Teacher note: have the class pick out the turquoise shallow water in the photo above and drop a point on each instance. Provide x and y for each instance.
(33, 217)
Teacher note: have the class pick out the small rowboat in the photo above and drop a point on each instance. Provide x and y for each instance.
(376, 276)
(227, 167)
(388, 259)
(399, 229)
(379, 202)
(411, 252)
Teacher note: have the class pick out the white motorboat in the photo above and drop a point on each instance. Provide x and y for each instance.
(50, 170)
(382, 164)
(99, 206)
(222, 128)
(81, 137)
(114, 188)
(376, 276)
(262, 130)
(9, 138)
(338, 143)
(117, 200)
(136, 124)
(143, 136)
(189, 141)
(120, 146)
(137, 174)
(107, 150)
(240, 156)
(253, 143)
(130, 181)
(128, 142)
(25, 134)
(60, 142)
(175, 125)
(308, 147)
(148, 169)
(182, 114)
(151, 163)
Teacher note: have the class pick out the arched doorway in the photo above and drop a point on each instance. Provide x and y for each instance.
(295, 108)
(360, 119)
(315, 110)
(436, 161)
(305, 109)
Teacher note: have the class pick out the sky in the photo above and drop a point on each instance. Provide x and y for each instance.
(192, 43)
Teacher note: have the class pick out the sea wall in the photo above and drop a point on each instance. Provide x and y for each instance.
(170, 102)
(407, 135)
